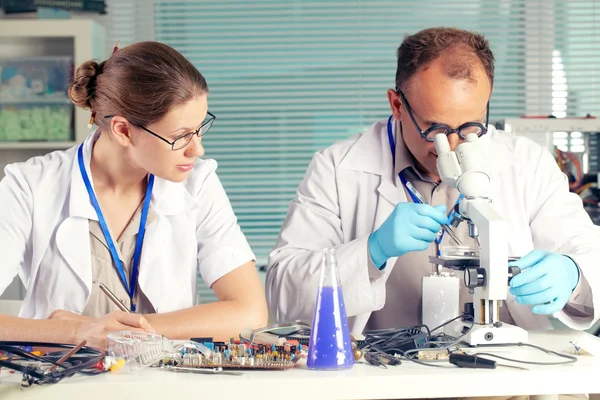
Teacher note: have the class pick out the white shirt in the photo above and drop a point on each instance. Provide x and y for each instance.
(350, 189)
(44, 235)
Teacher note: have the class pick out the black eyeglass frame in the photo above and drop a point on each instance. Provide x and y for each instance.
(449, 131)
(188, 136)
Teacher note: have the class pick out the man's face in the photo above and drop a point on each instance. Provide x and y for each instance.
(435, 98)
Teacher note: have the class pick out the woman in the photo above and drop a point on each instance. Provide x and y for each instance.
(132, 208)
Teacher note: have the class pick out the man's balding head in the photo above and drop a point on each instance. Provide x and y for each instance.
(459, 50)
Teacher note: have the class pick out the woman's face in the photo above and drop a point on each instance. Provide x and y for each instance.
(156, 156)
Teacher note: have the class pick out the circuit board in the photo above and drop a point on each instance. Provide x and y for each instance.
(235, 355)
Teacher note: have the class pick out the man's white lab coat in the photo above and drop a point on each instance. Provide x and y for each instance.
(350, 189)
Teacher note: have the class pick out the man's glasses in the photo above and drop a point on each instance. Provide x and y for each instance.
(465, 129)
(185, 139)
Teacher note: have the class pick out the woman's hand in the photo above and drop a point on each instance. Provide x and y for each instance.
(67, 316)
(94, 330)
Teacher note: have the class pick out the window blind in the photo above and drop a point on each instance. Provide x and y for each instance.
(576, 58)
(127, 22)
(290, 77)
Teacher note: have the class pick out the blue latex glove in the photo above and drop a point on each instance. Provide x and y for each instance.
(546, 280)
(410, 227)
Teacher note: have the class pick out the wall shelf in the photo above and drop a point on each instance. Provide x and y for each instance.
(36, 145)
(80, 38)
(35, 102)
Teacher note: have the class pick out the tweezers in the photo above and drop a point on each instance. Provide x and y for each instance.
(445, 227)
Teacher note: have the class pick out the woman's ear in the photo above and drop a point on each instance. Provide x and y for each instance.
(120, 129)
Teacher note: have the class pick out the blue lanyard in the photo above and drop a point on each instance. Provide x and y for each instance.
(412, 191)
(111, 245)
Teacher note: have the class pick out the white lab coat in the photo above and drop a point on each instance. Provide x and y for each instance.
(350, 189)
(44, 235)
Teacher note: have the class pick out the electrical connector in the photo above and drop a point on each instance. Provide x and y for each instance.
(471, 361)
(433, 354)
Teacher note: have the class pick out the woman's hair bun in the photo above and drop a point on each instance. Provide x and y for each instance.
(83, 87)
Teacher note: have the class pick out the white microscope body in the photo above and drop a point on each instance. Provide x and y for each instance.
(464, 170)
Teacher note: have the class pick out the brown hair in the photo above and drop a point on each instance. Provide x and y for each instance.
(140, 82)
(462, 48)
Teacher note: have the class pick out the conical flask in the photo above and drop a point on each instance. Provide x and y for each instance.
(330, 347)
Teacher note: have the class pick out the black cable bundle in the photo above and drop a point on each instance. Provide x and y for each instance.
(84, 362)
(389, 346)
(382, 347)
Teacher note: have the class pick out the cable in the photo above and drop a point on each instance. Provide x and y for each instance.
(449, 321)
(450, 343)
(403, 343)
(389, 346)
(570, 359)
(83, 361)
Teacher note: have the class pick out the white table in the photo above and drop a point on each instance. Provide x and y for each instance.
(408, 380)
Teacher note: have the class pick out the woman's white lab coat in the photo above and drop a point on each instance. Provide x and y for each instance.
(44, 235)
(350, 189)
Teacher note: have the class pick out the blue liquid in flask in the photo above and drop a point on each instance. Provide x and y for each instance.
(330, 345)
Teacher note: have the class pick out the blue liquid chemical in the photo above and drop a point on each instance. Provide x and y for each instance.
(330, 344)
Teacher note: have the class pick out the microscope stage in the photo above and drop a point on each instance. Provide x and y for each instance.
(460, 263)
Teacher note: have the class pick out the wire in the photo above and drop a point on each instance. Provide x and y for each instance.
(451, 342)
(449, 321)
(389, 346)
(84, 362)
(403, 343)
(569, 359)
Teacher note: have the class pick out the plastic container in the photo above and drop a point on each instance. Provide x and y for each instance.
(330, 346)
(34, 105)
(36, 122)
(137, 349)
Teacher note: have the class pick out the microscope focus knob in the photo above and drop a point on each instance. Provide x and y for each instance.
(474, 277)
(512, 272)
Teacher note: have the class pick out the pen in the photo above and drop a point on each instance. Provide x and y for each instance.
(113, 298)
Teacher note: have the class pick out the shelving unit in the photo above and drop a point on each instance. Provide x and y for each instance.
(541, 130)
(50, 145)
(81, 39)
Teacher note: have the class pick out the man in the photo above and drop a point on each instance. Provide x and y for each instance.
(355, 197)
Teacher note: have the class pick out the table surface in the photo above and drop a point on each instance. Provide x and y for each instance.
(363, 381)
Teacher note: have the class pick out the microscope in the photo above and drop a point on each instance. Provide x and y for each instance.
(487, 273)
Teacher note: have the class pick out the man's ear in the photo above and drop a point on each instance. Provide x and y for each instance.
(120, 128)
(395, 104)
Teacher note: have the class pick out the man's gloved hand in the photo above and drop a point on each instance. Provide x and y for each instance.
(410, 227)
(546, 280)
